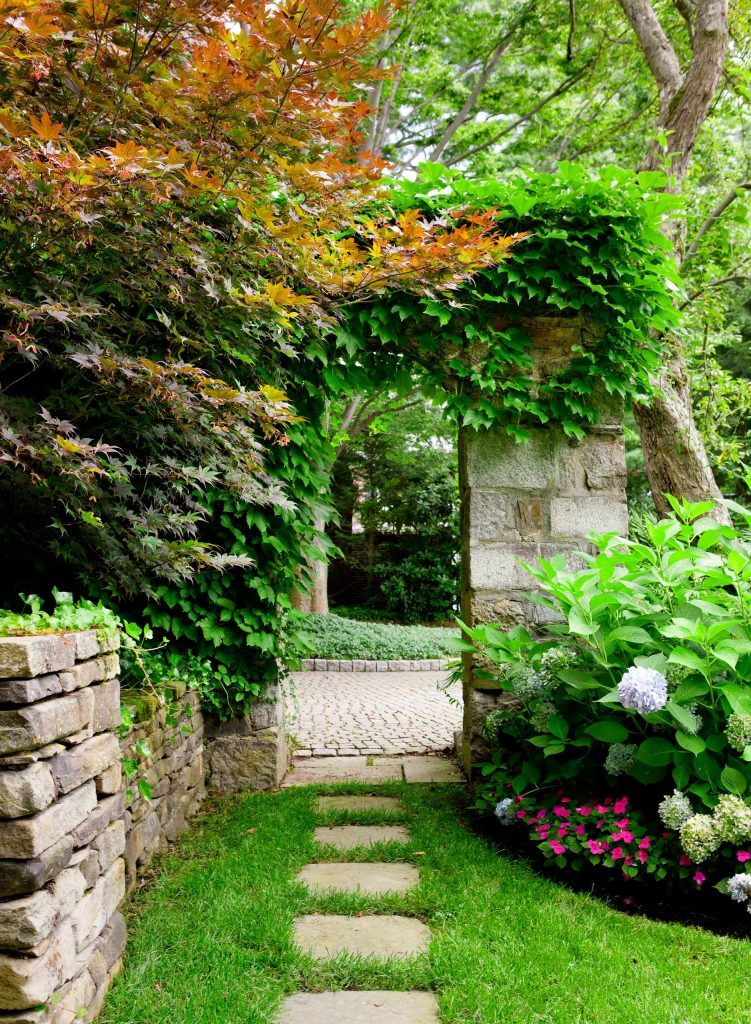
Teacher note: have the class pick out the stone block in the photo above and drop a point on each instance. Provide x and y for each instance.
(494, 459)
(576, 517)
(529, 517)
(27, 922)
(68, 889)
(23, 758)
(106, 713)
(43, 723)
(72, 1002)
(87, 672)
(97, 906)
(488, 511)
(24, 876)
(79, 764)
(363, 1007)
(370, 666)
(106, 811)
(497, 566)
(110, 780)
(28, 691)
(604, 463)
(29, 837)
(87, 644)
(258, 761)
(22, 657)
(345, 666)
(25, 982)
(27, 791)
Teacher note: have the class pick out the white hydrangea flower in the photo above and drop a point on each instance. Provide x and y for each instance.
(643, 689)
(699, 837)
(620, 759)
(541, 715)
(739, 888)
(732, 817)
(504, 811)
(675, 810)
(738, 731)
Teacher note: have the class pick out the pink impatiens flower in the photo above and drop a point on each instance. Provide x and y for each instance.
(642, 855)
(700, 878)
(580, 830)
(521, 814)
(595, 846)
(743, 856)
(557, 847)
(619, 807)
(561, 812)
(617, 852)
(584, 810)
(622, 823)
(644, 843)
(562, 830)
(684, 861)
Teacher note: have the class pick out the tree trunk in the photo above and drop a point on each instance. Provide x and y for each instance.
(313, 596)
(674, 454)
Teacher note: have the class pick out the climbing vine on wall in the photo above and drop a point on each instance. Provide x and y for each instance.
(592, 248)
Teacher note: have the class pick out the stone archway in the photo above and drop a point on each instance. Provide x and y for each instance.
(523, 501)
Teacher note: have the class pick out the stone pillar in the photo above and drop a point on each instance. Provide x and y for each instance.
(523, 501)
(62, 835)
(250, 752)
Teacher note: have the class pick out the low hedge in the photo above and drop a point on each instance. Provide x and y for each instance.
(333, 636)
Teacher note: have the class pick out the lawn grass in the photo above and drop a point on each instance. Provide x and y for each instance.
(333, 636)
(210, 937)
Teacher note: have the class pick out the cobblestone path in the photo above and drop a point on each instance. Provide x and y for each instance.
(351, 713)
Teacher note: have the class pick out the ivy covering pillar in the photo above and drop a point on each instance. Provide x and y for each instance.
(522, 501)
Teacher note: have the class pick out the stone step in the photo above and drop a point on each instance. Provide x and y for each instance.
(372, 879)
(347, 837)
(430, 769)
(327, 935)
(360, 1008)
(358, 803)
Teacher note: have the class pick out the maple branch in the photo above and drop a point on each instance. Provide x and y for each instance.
(656, 47)
(717, 282)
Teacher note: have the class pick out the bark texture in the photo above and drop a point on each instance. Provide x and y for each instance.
(674, 454)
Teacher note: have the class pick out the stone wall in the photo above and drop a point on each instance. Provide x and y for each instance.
(523, 501)
(62, 833)
(250, 752)
(175, 773)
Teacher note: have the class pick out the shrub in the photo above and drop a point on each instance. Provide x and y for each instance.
(331, 636)
(643, 680)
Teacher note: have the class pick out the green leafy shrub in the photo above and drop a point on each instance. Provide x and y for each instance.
(645, 680)
(67, 616)
(331, 636)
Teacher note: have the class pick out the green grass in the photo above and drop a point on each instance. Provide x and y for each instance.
(210, 937)
(333, 636)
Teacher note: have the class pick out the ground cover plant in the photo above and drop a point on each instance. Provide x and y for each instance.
(210, 936)
(625, 741)
(333, 636)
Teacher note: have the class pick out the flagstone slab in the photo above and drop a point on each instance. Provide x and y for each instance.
(358, 803)
(342, 769)
(430, 769)
(372, 879)
(360, 1008)
(388, 935)
(347, 837)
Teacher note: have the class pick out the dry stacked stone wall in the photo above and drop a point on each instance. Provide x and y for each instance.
(62, 830)
(175, 773)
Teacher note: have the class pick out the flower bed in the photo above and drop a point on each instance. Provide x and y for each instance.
(639, 696)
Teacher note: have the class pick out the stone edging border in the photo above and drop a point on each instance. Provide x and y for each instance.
(334, 665)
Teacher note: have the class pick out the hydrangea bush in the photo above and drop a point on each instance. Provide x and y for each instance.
(643, 683)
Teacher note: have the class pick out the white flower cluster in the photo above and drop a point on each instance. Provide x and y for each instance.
(504, 811)
(738, 732)
(732, 817)
(643, 689)
(540, 716)
(529, 683)
(675, 810)
(620, 759)
(739, 889)
(699, 837)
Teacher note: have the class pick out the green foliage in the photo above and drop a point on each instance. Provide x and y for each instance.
(331, 636)
(677, 607)
(66, 616)
(594, 250)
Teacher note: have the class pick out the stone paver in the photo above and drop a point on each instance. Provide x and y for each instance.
(371, 879)
(328, 935)
(358, 803)
(348, 837)
(360, 1008)
(306, 771)
(346, 713)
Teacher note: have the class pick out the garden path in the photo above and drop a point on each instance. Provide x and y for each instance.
(351, 713)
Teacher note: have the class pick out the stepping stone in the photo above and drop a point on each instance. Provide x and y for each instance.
(347, 837)
(360, 1008)
(358, 803)
(328, 935)
(364, 878)
(430, 769)
(342, 769)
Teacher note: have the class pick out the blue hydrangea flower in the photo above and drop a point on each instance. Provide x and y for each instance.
(643, 689)
(504, 811)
